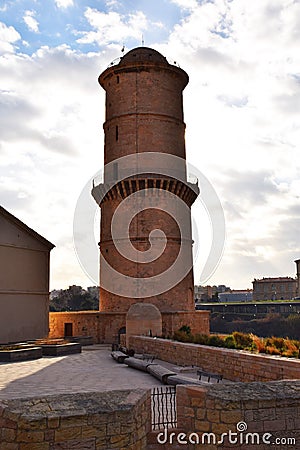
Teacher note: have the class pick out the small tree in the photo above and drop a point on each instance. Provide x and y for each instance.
(185, 329)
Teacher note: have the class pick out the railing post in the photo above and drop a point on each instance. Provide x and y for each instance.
(163, 407)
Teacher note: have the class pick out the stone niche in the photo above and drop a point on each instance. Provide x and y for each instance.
(143, 319)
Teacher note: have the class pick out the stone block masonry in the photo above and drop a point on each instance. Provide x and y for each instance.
(269, 409)
(104, 327)
(122, 419)
(93, 421)
(234, 365)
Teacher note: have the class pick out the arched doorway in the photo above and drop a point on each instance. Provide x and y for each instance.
(122, 330)
(143, 319)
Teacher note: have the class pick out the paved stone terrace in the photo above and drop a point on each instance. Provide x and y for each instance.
(89, 371)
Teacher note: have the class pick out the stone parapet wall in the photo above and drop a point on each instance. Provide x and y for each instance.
(234, 365)
(270, 410)
(240, 416)
(92, 421)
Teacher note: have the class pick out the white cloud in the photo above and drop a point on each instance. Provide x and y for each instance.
(185, 4)
(30, 21)
(50, 110)
(112, 3)
(8, 36)
(64, 3)
(241, 110)
(243, 130)
(112, 27)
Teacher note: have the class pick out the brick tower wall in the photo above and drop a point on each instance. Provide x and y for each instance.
(180, 297)
(145, 103)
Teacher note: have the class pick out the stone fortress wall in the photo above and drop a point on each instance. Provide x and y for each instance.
(103, 327)
(121, 419)
(234, 365)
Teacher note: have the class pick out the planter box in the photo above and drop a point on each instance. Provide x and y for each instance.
(83, 340)
(60, 349)
(22, 354)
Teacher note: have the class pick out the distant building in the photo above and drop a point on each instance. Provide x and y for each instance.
(244, 295)
(202, 293)
(298, 278)
(280, 288)
(209, 293)
(220, 289)
(24, 281)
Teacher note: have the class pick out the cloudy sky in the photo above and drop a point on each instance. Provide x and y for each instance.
(242, 110)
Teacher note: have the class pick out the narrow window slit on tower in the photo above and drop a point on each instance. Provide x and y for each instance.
(117, 133)
(118, 79)
(123, 195)
(127, 187)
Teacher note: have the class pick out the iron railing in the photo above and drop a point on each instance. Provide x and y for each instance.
(163, 407)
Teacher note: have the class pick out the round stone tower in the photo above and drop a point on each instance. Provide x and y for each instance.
(144, 110)
(145, 199)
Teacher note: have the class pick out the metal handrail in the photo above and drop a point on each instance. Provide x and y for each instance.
(115, 62)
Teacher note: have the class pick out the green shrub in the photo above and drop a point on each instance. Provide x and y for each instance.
(290, 349)
(271, 350)
(185, 329)
(272, 346)
(229, 342)
(258, 344)
(278, 343)
(201, 339)
(290, 353)
(242, 340)
(181, 336)
(215, 341)
(296, 343)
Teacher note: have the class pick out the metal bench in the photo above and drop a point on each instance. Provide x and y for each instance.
(209, 376)
(119, 348)
(147, 357)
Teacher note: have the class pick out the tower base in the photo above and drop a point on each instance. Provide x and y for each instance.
(106, 328)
